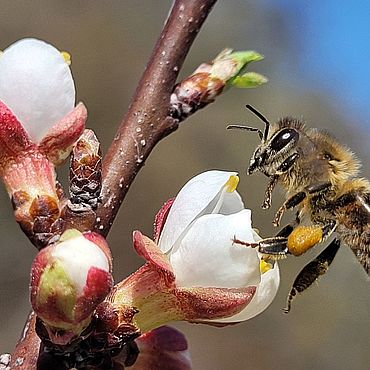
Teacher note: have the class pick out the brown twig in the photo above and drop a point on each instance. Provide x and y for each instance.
(145, 124)
(147, 120)
(25, 355)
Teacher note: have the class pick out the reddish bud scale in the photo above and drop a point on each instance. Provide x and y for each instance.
(85, 173)
(98, 285)
(58, 141)
(36, 204)
(194, 93)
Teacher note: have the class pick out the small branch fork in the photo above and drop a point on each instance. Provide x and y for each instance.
(147, 122)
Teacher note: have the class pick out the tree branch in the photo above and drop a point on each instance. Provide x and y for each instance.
(26, 352)
(147, 120)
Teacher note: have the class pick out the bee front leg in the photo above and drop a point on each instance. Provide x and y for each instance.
(268, 193)
(312, 271)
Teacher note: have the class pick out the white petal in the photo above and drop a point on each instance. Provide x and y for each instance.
(78, 255)
(195, 199)
(36, 84)
(265, 294)
(232, 203)
(207, 257)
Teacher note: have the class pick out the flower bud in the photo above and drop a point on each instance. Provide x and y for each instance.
(210, 79)
(68, 280)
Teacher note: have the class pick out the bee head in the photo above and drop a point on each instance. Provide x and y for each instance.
(278, 151)
(276, 155)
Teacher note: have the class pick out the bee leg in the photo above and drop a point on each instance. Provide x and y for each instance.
(276, 247)
(292, 240)
(297, 218)
(284, 167)
(289, 203)
(268, 193)
(318, 188)
(303, 238)
(298, 198)
(312, 271)
(285, 231)
(288, 229)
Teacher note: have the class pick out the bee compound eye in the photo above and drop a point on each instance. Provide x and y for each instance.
(283, 138)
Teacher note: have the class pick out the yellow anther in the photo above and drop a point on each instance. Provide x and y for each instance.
(265, 266)
(1, 52)
(232, 183)
(67, 57)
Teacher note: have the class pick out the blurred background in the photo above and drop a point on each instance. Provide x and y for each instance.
(317, 60)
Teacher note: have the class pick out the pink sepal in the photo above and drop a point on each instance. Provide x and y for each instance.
(147, 249)
(13, 137)
(160, 218)
(200, 303)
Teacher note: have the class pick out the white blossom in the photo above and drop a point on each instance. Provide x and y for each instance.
(198, 234)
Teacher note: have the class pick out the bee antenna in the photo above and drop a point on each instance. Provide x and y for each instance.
(241, 127)
(263, 119)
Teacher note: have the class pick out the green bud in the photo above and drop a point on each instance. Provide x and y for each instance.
(248, 80)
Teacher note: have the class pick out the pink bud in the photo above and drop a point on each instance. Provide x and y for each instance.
(68, 280)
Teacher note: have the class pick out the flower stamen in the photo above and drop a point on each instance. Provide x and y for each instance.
(67, 57)
(232, 183)
(265, 266)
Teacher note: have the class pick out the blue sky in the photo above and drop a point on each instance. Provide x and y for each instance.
(333, 47)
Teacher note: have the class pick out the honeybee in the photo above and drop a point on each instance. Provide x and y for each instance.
(320, 177)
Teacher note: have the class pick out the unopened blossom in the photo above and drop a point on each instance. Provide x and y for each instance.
(197, 237)
(39, 123)
(68, 280)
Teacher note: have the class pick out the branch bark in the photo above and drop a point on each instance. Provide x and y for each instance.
(147, 120)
